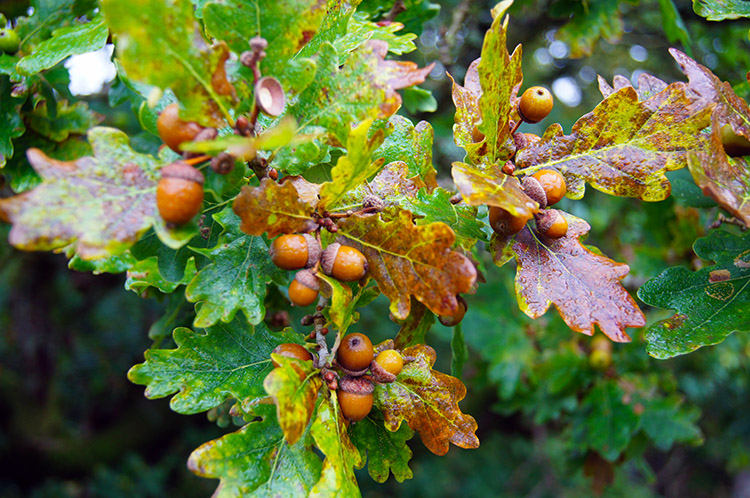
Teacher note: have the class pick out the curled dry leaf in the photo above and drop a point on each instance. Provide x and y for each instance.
(584, 286)
(274, 209)
(428, 401)
(407, 260)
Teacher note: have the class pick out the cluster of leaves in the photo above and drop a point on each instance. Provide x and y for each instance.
(337, 145)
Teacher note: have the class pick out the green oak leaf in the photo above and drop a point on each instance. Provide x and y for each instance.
(353, 168)
(334, 26)
(69, 119)
(286, 25)
(159, 43)
(294, 386)
(71, 40)
(11, 122)
(412, 145)
(360, 29)
(384, 450)
(229, 360)
(437, 206)
(256, 462)
(625, 145)
(145, 274)
(331, 437)
(668, 420)
(710, 304)
(428, 401)
(720, 10)
(672, 23)
(341, 310)
(236, 278)
(96, 206)
(604, 422)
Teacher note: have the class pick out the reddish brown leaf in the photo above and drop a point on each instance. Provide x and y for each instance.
(724, 179)
(274, 209)
(407, 260)
(308, 192)
(396, 74)
(582, 285)
(428, 401)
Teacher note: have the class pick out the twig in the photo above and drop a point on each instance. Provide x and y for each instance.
(398, 7)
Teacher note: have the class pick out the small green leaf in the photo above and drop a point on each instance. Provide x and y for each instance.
(667, 421)
(144, 274)
(460, 353)
(591, 21)
(385, 451)
(236, 278)
(72, 40)
(720, 10)
(411, 145)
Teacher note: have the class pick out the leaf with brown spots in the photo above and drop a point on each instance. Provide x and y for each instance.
(407, 260)
(274, 209)
(94, 206)
(490, 186)
(625, 145)
(710, 304)
(582, 285)
(725, 179)
(487, 100)
(428, 401)
(294, 387)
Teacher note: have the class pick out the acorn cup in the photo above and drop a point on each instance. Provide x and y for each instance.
(269, 96)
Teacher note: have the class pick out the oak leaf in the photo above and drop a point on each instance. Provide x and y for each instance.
(624, 146)
(274, 209)
(583, 286)
(94, 206)
(407, 260)
(427, 401)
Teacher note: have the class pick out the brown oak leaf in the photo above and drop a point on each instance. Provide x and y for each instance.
(492, 187)
(582, 285)
(408, 260)
(428, 401)
(274, 209)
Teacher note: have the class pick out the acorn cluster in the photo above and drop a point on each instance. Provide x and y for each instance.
(547, 187)
(10, 42)
(303, 252)
(355, 357)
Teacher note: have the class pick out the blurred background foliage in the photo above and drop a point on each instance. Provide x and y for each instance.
(72, 426)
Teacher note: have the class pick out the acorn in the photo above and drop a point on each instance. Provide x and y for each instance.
(343, 263)
(303, 291)
(295, 251)
(179, 193)
(551, 223)
(355, 397)
(269, 96)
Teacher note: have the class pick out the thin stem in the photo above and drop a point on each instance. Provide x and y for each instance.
(196, 160)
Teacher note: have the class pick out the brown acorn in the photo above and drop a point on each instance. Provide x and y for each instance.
(343, 263)
(295, 251)
(179, 193)
(534, 189)
(504, 223)
(303, 291)
(174, 131)
(355, 397)
(551, 223)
